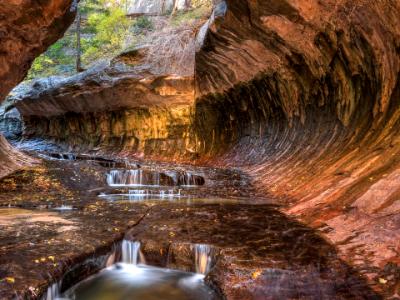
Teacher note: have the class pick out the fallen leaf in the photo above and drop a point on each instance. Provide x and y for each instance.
(256, 274)
(382, 281)
(10, 279)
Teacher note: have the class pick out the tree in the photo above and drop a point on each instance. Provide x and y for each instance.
(110, 28)
(78, 43)
(181, 4)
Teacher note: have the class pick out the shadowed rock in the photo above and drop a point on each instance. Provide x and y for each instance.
(27, 29)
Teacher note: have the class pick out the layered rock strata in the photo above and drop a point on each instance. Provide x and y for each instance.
(305, 96)
(120, 106)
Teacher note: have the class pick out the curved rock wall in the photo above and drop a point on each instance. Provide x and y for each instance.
(27, 28)
(121, 107)
(305, 96)
(11, 159)
(302, 94)
(157, 132)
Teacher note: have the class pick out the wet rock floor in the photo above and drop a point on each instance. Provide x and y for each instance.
(51, 219)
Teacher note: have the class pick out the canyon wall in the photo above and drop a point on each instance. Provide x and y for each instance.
(305, 96)
(27, 28)
(123, 107)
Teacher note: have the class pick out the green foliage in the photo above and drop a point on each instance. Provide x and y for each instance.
(54, 61)
(104, 28)
(143, 23)
(105, 31)
(110, 29)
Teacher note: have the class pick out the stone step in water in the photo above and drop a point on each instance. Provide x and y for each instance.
(104, 162)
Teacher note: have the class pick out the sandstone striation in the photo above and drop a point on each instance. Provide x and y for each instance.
(119, 106)
(27, 28)
(302, 95)
(315, 119)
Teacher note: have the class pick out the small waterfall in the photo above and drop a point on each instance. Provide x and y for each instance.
(189, 179)
(140, 177)
(136, 177)
(131, 252)
(203, 258)
(53, 291)
(125, 177)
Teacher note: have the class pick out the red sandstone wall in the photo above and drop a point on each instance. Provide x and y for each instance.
(305, 96)
(27, 28)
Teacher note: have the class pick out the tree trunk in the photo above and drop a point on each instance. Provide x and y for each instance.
(186, 5)
(78, 42)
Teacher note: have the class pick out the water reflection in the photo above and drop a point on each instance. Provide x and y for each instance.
(176, 198)
(125, 281)
(63, 208)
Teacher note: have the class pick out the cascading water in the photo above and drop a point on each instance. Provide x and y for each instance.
(203, 258)
(189, 179)
(53, 292)
(139, 177)
(125, 276)
(131, 252)
(125, 177)
(141, 282)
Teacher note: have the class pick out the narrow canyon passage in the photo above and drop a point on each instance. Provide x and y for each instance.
(200, 149)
